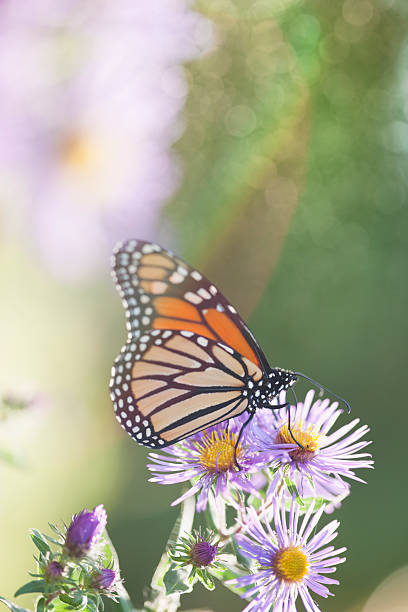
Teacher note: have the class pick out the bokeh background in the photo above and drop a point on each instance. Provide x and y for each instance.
(266, 141)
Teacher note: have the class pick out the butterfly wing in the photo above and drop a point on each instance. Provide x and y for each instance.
(170, 384)
(189, 356)
(160, 291)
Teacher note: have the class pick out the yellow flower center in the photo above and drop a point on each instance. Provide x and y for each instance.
(290, 564)
(217, 452)
(79, 153)
(309, 438)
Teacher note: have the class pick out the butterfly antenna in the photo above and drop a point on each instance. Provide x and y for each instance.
(322, 387)
(289, 428)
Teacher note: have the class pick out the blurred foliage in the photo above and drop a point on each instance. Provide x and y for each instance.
(335, 306)
(294, 200)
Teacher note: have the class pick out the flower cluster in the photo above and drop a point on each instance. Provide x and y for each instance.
(317, 466)
(75, 566)
(288, 462)
(254, 496)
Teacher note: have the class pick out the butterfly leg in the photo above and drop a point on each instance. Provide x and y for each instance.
(277, 406)
(251, 416)
(289, 428)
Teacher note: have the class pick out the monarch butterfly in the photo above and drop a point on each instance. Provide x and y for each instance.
(190, 361)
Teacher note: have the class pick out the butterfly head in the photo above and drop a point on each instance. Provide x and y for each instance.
(279, 380)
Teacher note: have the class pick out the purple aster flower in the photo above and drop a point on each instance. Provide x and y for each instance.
(327, 456)
(89, 120)
(85, 531)
(207, 459)
(53, 571)
(104, 580)
(289, 560)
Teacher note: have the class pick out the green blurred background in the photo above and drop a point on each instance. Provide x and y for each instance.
(293, 199)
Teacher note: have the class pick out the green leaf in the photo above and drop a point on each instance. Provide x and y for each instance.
(40, 606)
(77, 600)
(293, 490)
(91, 606)
(317, 501)
(13, 606)
(237, 551)
(176, 580)
(182, 526)
(230, 573)
(94, 603)
(57, 605)
(34, 586)
(56, 530)
(206, 580)
(40, 542)
(52, 540)
(109, 551)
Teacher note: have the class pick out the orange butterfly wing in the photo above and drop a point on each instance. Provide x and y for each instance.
(190, 361)
(160, 291)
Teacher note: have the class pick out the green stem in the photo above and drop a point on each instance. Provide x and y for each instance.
(125, 603)
(160, 600)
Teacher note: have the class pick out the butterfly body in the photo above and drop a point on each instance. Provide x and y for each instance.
(189, 361)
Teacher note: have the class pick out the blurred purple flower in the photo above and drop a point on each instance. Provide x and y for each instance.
(91, 100)
(290, 560)
(207, 459)
(104, 579)
(327, 458)
(85, 531)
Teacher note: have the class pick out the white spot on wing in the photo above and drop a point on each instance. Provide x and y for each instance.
(226, 348)
(204, 293)
(193, 297)
(176, 278)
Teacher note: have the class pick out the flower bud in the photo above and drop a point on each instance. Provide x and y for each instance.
(84, 531)
(104, 579)
(202, 553)
(53, 571)
(195, 549)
